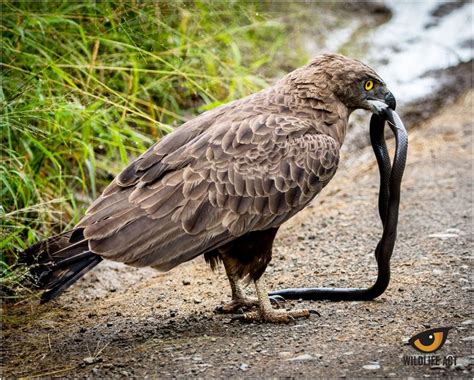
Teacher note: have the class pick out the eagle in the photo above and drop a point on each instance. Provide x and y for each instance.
(221, 185)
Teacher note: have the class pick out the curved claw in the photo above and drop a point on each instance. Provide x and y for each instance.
(241, 317)
(312, 311)
(238, 317)
(277, 299)
(219, 309)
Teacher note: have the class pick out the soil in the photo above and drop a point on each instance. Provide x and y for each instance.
(120, 322)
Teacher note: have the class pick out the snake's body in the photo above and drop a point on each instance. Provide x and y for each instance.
(389, 200)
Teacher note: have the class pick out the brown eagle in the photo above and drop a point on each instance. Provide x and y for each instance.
(221, 185)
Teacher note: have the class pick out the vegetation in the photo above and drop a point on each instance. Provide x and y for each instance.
(85, 86)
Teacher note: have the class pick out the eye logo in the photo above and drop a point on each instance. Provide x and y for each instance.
(430, 340)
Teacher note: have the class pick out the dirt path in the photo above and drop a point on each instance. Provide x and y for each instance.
(117, 324)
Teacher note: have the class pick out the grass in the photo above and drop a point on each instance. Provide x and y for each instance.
(85, 86)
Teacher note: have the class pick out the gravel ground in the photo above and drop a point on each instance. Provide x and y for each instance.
(121, 321)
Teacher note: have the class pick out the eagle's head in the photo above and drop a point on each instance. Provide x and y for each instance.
(354, 83)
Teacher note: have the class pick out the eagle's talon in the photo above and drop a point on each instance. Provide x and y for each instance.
(237, 317)
(237, 305)
(312, 311)
(247, 317)
(277, 299)
(219, 309)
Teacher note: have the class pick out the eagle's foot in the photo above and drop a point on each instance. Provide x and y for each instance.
(273, 316)
(237, 305)
(266, 313)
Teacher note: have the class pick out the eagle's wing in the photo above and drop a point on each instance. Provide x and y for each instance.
(198, 189)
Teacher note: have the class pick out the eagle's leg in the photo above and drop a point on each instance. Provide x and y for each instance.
(266, 312)
(239, 299)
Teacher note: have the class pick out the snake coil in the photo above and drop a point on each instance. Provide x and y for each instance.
(388, 204)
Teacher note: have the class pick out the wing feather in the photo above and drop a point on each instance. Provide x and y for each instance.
(203, 186)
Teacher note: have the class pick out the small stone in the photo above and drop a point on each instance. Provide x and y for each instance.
(468, 339)
(453, 231)
(372, 366)
(197, 300)
(467, 322)
(443, 236)
(284, 354)
(89, 360)
(244, 367)
(186, 282)
(301, 358)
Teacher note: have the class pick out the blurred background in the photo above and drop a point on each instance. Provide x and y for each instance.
(87, 86)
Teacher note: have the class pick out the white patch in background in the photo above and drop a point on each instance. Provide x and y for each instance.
(404, 49)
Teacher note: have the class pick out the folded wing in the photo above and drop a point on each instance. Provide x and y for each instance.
(208, 183)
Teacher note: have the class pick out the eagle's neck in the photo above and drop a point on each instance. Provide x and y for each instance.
(317, 105)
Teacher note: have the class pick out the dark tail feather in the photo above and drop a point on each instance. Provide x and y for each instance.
(59, 262)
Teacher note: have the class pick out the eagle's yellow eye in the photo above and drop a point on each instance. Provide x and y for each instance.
(430, 340)
(369, 85)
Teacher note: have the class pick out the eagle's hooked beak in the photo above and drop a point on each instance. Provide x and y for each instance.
(377, 105)
(390, 100)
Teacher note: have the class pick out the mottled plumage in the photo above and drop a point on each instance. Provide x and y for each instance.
(230, 174)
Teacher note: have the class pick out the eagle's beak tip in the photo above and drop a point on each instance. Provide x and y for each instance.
(390, 101)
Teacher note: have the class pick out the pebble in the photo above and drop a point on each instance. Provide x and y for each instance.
(197, 301)
(186, 282)
(89, 360)
(244, 367)
(372, 366)
(467, 322)
(443, 236)
(468, 339)
(453, 231)
(284, 354)
(302, 358)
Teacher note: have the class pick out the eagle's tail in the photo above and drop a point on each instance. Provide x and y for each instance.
(57, 263)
